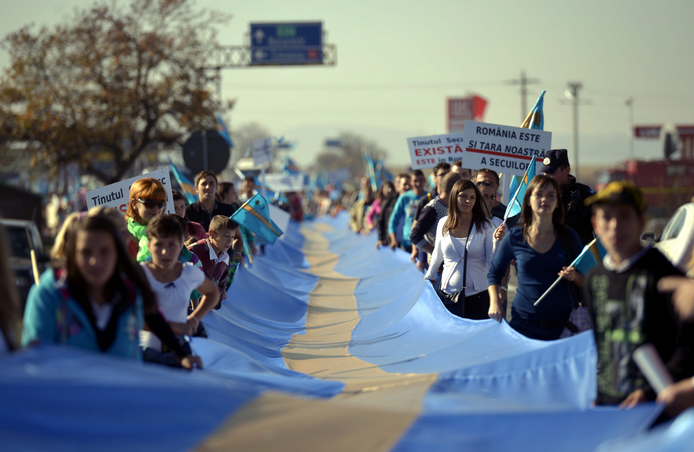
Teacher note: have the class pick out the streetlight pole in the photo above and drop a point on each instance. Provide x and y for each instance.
(572, 94)
(630, 104)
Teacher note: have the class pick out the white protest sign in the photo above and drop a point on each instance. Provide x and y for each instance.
(117, 195)
(280, 217)
(504, 149)
(285, 182)
(427, 152)
(262, 151)
(338, 176)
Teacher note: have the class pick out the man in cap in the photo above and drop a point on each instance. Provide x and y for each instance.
(627, 309)
(573, 194)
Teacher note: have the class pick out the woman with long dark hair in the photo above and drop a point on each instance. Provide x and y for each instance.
(99, 299)
(465, 244)
(543, 249)
(375, 209)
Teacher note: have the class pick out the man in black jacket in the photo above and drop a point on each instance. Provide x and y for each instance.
(628, 311)
(573, 194)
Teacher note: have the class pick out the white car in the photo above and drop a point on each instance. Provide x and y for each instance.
(677, 241)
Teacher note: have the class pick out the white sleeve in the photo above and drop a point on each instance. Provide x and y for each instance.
(437, 255)
(490, 245)
(194, 276)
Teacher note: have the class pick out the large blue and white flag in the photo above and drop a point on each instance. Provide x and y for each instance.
(327, 343)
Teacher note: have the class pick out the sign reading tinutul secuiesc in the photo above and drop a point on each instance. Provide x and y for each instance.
(118, 195)
(504, 149)
(427, 152)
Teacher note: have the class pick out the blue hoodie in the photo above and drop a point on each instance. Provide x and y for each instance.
(52, 315)
(406, 207)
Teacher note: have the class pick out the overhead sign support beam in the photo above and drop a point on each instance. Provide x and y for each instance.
(276, 44)
(235, 57)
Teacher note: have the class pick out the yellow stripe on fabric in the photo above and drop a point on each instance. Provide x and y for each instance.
(323, 351)
(276, 422)
(596, 253)
(260, 218)
(376, 407)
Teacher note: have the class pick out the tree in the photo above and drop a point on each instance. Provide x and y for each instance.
(243, 136)
(349, 154)
(110, 83)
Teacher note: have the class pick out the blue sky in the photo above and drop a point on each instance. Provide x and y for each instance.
(398, 61)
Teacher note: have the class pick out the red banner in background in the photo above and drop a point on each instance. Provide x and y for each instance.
(463, 109)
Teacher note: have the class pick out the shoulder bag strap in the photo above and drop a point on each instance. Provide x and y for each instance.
(467, 244)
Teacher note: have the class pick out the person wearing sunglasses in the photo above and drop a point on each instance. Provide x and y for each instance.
(147, 200)
(497, 208)
(488, 192)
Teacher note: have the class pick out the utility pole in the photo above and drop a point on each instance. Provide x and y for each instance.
(630, 105)
(572, 95)
(523, 81)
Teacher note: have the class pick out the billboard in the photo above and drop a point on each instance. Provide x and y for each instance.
(463, 109)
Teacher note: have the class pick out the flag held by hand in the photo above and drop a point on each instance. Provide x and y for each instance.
(536, 118)
(185, 183)
(254, 214)
(516, 204)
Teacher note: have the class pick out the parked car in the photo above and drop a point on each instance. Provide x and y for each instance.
(677, 240)
(24, 236)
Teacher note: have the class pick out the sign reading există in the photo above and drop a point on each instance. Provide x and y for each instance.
(427, 152)
(504, 149)
(117, 195)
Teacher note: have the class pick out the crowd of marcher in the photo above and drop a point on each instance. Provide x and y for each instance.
(135, 285)
(456, 235)
(138, 285)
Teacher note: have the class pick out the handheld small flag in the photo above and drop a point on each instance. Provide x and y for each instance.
(536, 118)
(222, 129)
(515, 206)
(587, 259)
(254, 214)
(370, 170)
(185, 183)
(289, 166)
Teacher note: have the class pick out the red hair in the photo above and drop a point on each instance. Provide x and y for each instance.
(147, 188)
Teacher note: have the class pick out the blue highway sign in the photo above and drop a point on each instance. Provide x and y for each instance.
(287, 43)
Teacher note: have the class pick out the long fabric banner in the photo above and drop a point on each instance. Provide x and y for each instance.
(326, 343)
